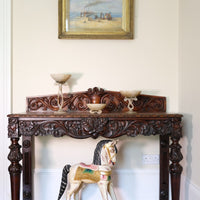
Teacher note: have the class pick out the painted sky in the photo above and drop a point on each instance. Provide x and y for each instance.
(113, 6)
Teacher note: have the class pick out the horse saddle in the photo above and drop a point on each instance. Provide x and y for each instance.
(91, 167)
(91, 173)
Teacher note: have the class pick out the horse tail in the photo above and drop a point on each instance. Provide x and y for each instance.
(63, 184)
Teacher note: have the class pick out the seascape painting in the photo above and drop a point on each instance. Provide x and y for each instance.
(93, 15)
(95, 19)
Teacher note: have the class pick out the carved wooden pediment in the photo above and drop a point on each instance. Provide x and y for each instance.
(113, 99)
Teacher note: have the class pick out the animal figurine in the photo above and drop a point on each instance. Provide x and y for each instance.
(74, 177)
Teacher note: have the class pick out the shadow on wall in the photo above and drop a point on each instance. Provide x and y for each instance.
(132, 149)
(187, 136)
(73, 81)
(44, 152)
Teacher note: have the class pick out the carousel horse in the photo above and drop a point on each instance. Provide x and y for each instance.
(74, 177)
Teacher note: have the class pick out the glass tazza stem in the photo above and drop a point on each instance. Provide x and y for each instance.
(130, 102)
(60, 95)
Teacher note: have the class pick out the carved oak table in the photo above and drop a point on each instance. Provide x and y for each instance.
(149, 119)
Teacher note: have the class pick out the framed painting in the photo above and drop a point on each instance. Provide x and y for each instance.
(95, 19)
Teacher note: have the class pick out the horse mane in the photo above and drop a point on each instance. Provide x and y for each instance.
(97, 151)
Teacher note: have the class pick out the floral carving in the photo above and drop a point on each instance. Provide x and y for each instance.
(74, 128)
(175, 157)
(26, 144)
(142, 127)
(94, 127)
(55, 128)
(13, 128)
(177, 128)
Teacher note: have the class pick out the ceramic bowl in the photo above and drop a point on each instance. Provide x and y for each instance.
(60, 78)
(96, 107)
(130, 93)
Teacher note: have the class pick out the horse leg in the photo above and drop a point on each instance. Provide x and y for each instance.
(77, 192)
(111, 191)
(72, 189)
(103, 186)
(76, 195)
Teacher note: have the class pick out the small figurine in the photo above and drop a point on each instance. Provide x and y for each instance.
(74, 177)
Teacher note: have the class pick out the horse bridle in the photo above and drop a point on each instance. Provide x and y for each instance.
(108, 151)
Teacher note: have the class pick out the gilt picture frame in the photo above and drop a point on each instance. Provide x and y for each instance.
(95, 19)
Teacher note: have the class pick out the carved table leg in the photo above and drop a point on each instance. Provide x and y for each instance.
(15, 168)
(27, 167)
(164, 167)
(175, 168)
(175, 157)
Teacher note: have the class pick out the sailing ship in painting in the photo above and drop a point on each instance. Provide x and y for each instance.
(95, 15)
(87, 16)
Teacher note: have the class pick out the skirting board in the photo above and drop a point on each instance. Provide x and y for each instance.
(128, 185)
(189, 191)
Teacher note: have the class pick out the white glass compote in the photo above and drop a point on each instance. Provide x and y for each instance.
(96, 107)
(60, 79)
(130, 96)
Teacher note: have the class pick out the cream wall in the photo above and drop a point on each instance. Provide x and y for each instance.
(5, 95)
(149, 62)
(189, 86)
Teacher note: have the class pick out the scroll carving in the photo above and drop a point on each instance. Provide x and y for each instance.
(114, 102)
(95, 127)
(55, 128)
(142, 127)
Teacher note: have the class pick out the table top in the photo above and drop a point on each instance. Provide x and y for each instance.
(87, 114)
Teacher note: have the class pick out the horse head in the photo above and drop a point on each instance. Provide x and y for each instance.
(110, 152)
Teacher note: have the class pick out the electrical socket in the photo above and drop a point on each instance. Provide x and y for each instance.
(151, 159)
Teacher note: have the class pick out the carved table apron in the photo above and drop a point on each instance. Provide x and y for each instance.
(82, 125)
